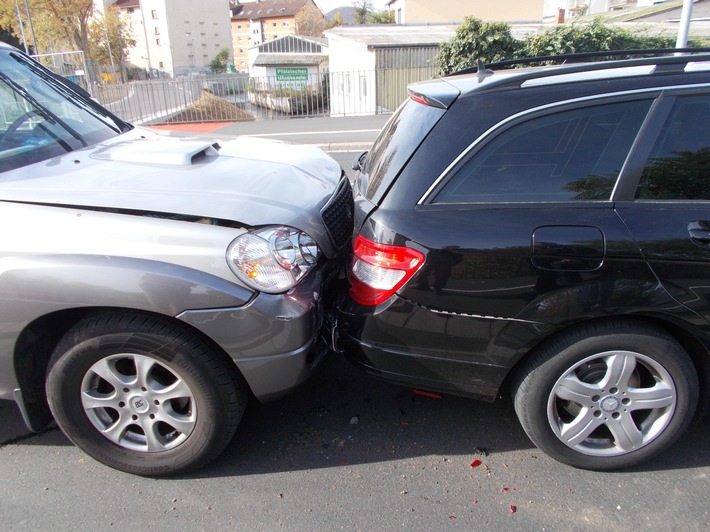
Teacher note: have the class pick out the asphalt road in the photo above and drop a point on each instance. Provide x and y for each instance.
(349, 452)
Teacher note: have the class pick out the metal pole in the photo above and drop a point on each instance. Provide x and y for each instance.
(108, 43)
(22, 28)
(32, 29)
(147, 44)
(684, 24)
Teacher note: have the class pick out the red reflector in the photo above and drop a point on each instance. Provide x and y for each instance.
(378, 270)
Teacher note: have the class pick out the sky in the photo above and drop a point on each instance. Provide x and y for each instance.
(327, 5)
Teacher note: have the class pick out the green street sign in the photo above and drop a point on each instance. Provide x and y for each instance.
(291, 74)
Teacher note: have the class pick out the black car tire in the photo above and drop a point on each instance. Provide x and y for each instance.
(143, 395)
(606, 395)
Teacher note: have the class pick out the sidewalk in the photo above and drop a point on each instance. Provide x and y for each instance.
(351, 133)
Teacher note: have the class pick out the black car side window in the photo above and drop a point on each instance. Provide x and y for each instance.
(570, 155)
(679, 166)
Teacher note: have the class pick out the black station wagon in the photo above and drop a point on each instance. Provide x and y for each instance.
(544, 231)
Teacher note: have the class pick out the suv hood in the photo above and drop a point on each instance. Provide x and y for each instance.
(249, 181)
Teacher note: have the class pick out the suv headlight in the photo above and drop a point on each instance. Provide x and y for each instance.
(272, 259)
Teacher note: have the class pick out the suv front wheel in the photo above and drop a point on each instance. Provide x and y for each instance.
(607, 395)
(142, 395)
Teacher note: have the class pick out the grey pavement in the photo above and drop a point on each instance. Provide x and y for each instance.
(349, 133)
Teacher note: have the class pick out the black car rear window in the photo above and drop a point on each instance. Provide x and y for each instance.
(395, 145)
(575, 154)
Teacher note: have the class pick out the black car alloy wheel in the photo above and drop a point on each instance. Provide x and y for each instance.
(607, 395)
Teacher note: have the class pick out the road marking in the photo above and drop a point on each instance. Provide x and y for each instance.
(316, 133)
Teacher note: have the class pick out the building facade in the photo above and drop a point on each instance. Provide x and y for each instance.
(176, 37)
(449, 11)
(259, 21)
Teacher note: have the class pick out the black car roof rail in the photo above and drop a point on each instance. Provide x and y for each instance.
(635, 57)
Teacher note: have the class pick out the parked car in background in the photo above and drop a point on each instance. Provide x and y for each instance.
(544, 231)
(150, 284)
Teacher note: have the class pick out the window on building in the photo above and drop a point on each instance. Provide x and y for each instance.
(286, 23)
(157, 42)
(239, 26)
(273, 24)
(160, 64)
(154, 13)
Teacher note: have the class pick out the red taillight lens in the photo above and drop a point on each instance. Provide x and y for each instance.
(378, 270)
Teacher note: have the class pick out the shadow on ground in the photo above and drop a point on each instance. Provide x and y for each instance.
(344, 417)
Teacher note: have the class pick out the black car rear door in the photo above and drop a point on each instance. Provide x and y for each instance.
(668, 207)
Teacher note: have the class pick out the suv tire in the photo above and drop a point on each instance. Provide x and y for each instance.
(607, 395)
(142, 395)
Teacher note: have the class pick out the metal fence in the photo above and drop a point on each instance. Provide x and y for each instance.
(238, 97)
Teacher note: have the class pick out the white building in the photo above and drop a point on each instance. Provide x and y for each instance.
(176, 37)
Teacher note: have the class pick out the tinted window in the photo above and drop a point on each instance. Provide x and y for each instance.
(679, 166)
(395, 145)
(570, 155)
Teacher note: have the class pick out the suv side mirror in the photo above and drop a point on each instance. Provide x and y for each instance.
(359, 161)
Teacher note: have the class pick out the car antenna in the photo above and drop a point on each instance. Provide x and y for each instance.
(482, 71)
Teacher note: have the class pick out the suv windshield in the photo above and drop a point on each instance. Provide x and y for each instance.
(395, 145)
(41, 117)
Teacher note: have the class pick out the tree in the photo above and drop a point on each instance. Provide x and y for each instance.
(381, 17)
(119, 38)
(475, 39)
(218, 65)
(337, 21)
(363, 8)
(592, 37)
(492, 41)
(310, 21)
(58, 24)
(7, 36)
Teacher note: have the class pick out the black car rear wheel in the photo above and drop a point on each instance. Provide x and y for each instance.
(142, 395)
(607, 395)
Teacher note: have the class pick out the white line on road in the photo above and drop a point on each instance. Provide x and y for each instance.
(316, 132)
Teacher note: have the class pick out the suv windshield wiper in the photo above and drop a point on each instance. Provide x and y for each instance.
(63, 86)
(41, 110)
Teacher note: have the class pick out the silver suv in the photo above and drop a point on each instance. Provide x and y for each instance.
(150, 284)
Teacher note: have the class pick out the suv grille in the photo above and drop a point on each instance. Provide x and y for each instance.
(338, 214)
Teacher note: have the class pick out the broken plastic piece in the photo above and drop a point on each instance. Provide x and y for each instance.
(476, 463)
(427, 394)
(512, 509)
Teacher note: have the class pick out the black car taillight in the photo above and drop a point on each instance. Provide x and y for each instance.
(378, 270)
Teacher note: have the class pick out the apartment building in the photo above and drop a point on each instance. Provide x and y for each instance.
(176, 37)
(259, 21)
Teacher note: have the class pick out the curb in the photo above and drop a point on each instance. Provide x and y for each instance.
(345, 146)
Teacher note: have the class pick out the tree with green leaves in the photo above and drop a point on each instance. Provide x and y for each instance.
(492, 41)
(218, 65)
(363, 9)
(475, 39)
(381, 17)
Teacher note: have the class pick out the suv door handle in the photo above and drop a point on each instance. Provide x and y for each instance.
(700, 232)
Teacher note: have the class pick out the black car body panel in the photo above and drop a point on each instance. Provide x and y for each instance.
(537, 203)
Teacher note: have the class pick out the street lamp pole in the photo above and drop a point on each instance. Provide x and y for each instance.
(32, 29)
(684, 26)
